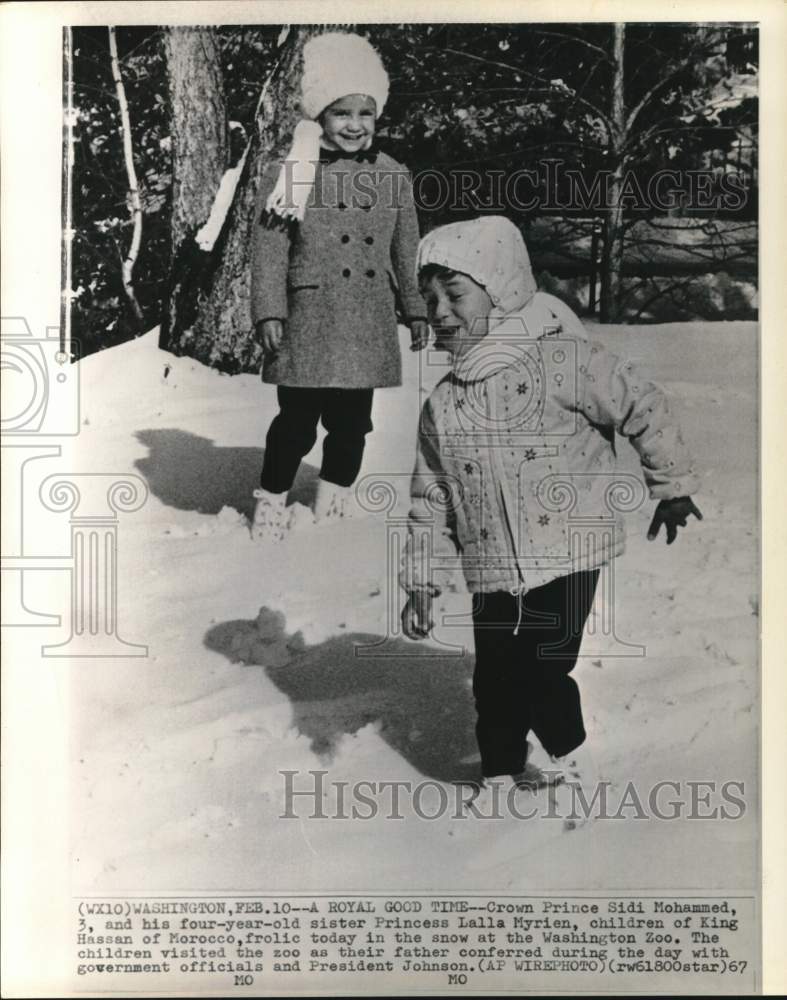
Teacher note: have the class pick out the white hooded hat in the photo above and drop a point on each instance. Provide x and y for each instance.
(491, 250)
(335, 64)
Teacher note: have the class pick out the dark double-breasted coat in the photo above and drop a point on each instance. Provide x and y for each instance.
(336, 277)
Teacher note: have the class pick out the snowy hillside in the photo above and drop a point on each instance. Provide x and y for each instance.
(176, 757)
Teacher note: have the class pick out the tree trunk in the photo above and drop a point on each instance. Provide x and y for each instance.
(612, 255)
(200, 150)
(208, 314)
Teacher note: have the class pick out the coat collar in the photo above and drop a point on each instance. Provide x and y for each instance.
(362, 156)
(508, 340)
(501, 347)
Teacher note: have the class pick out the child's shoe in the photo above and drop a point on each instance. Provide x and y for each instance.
(487, 799)
(577, 766)
(332, 502)
(486, 791)
(301, 519)
(533, 776)
(575, 773)
(271, 520)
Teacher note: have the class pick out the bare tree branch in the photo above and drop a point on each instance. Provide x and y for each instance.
(135, 203)
(674, 71)
(579, 41)
(524, 73)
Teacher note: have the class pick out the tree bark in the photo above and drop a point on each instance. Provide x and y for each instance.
(200, 152)
(612, 254)
(208, 315)
(200, 148)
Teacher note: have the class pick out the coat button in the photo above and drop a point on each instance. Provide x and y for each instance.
(345, 238)
(346, 272)
(369, 240)
(370, 273)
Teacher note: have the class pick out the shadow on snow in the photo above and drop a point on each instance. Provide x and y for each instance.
(424, 705)
(189, 472)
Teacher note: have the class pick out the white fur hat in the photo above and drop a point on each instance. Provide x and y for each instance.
(336, 64)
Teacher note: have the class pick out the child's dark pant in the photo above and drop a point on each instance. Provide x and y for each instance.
(520, 684)
(346, 416)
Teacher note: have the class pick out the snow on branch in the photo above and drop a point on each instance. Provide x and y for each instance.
(206, 237)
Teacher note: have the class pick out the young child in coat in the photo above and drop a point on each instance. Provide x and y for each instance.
(335, 239)
(520, 436)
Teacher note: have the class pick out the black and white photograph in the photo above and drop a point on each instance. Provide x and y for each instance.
(383, 489)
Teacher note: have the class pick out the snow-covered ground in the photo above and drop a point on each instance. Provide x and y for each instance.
(176, 758)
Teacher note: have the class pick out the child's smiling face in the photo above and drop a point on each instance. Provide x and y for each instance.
(457, 308)
(348, 124)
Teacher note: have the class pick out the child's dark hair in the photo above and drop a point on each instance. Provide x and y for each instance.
(429, 271)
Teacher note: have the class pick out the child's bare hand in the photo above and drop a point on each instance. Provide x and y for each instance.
(419, 334)
(672, 514)
(270, 332)
(417, 620)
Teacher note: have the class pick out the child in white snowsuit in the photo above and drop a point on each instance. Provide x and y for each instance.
(520, 435)
(335, 238)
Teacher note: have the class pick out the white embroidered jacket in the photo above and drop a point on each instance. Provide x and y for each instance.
(516, 468)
